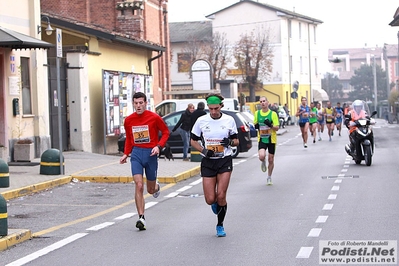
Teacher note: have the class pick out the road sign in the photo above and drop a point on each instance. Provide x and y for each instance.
(59, 42)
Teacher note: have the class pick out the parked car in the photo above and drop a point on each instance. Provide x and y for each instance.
(250, 119)
(176, 143)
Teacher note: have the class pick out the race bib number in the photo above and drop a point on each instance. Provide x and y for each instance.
(141, 134)
(216, 148)
(305, 115)
(264, 131)
(338, 115)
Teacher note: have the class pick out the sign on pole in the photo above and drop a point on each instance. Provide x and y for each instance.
(59, 42)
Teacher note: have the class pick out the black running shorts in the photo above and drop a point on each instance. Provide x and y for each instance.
(212, 167)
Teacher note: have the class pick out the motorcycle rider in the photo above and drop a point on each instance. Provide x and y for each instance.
(357, 112)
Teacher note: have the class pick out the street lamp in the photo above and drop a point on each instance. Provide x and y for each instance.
(49, 30)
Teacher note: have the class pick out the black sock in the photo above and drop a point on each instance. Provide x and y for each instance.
(221, 214)
(141, 216)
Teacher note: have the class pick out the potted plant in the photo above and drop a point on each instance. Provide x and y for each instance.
(4, 153)
(24, 150)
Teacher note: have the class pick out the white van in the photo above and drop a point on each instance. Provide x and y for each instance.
(169, 106)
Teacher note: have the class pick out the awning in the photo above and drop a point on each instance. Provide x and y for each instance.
(320, 95)
(15, 40)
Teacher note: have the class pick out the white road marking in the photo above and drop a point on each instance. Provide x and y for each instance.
(328, 207)
(341, 175)
(100, 226)
(346, 165)
(125, 216)
(344, 170)
(335, 188)
(172, 195)
(322, 219)
(332, 196)
(150, 204)
(304, 253)
(184, 188)
(47, 250)
(338, 181)
(314, 232)
(196, 182)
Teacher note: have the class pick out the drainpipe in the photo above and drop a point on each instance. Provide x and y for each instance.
(152, 59)
(275, 94)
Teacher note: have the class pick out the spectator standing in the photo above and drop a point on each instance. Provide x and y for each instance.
(197, 113)
(185, 126)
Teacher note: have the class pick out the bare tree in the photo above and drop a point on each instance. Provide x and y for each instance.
(254, 57)
(217, 54)
(215, 51)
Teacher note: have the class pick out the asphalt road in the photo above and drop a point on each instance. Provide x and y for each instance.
(318, 194)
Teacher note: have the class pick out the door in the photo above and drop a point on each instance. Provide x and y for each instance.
(55, 101)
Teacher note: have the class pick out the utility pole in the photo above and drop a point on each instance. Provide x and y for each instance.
(375, 84)
(385, 52)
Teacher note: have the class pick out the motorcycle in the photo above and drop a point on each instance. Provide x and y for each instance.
(362, 139)
(283, 118)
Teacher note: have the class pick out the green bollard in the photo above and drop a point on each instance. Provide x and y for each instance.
(195, 155)
(3, 216)
(4, 182)
(4, 174)
(50, 162)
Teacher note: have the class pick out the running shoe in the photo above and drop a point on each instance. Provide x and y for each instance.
(314, 141)
(214, 207)
(305, 145)
(269, 182)
(330, 139)
(140, 224)
(263, 166)
(319, 139)
(220, 231)
(156, 194)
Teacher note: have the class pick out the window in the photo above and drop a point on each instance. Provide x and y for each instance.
(315, 66)
(183, 62)
(300, 30)
(291, 68)
(314, 34)
(300, 64)
(289, 29)
(26, 91)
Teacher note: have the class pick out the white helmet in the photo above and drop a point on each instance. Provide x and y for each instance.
(357, 103)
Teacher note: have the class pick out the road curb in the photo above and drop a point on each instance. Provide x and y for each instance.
(14, 237)
(20, 192)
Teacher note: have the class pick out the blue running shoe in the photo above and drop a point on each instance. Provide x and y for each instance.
(214, 207)
(220, 231)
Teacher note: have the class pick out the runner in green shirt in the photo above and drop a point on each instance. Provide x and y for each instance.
(313, 120)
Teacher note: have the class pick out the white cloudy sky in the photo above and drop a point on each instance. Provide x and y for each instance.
(347, 23)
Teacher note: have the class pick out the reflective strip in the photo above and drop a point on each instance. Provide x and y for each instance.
(4, 174)
(195, 152)
(3, 215)
(50, 164)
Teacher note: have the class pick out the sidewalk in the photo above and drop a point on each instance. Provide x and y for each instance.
(25, 179)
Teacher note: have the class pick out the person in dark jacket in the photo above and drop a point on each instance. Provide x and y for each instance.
(185, 126)
(197, 113)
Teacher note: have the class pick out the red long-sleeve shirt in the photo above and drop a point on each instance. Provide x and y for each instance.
(142, 131)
